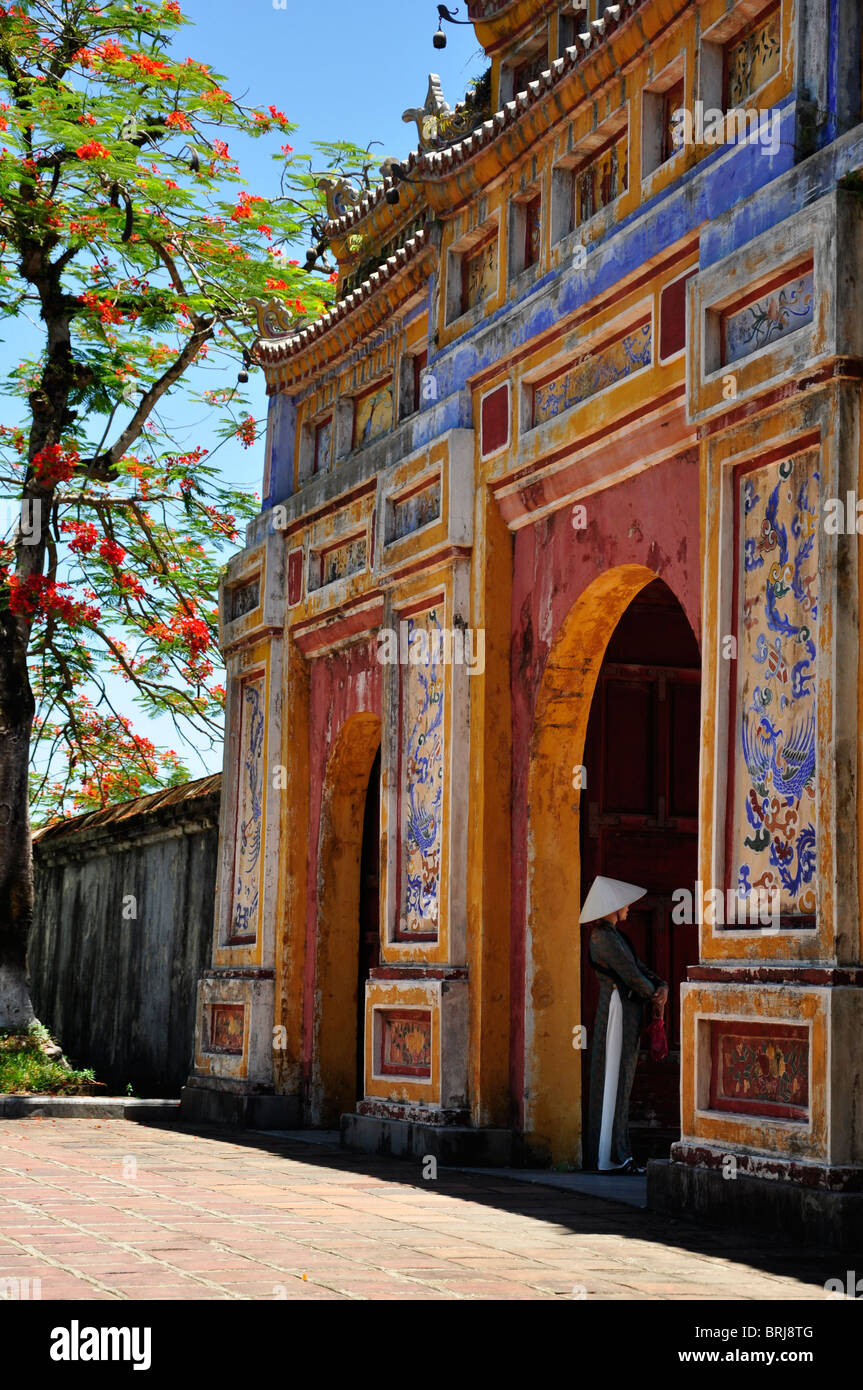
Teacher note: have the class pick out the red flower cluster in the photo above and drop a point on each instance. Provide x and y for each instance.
(84, 535)
(92, 150)
(110, 52)
(246, 431)
(195, 634)
(108, 312)
(244, 206)
(191, 631)
(54, 464)
(178, 120)
(38, 597)
(112, 552)
(153, 67)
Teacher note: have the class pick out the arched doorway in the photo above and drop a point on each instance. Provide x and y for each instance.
(641, 823)
(341, 951)
(554, 1008)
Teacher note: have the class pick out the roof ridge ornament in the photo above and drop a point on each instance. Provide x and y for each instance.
(438, 125)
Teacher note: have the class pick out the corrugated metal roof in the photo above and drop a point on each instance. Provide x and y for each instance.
(127, 810)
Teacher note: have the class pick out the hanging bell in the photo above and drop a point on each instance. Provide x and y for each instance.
(439, 39)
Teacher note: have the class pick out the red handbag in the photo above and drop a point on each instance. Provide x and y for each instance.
(657, 1039)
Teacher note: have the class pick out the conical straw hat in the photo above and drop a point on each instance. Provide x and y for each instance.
(606, 896)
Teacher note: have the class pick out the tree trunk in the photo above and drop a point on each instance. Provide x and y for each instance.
(16, 850)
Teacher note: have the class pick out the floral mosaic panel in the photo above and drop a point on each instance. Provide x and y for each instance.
(406, 1043)
(422, 779)
(244, 911)
(768, 319)
(373, 414)
(592, 374)
(760, 1068)
(754, 59)
(479, 273)
(775, 826)
(410, 513)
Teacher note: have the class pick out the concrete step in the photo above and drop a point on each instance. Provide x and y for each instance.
(87, 1108)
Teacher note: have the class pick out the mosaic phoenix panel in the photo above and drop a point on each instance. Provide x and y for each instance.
(773, 316)
(775, 837)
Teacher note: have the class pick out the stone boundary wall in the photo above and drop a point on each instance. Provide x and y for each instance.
(122, 932)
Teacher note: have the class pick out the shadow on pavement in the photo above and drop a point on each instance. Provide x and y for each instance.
(575, 1211)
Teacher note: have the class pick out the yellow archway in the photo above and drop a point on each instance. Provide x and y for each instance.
(552, 1122)
(332, 1083)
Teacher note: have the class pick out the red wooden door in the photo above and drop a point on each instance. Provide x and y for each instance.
(639, 822)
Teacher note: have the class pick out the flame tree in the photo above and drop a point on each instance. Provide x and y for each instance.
(127, 260)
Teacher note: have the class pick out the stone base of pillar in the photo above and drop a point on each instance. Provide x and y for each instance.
(454, 1144)
(202, 1102)
(811, 1207)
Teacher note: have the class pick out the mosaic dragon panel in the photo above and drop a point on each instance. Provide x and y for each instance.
(422, 776)
(775, 836)
(244, 911)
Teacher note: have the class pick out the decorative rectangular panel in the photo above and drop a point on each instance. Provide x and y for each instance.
(494, 420)
(373, 413)
(754, 59)
(672, 317)
(226, 1028)
(479, 273)
(532, 231)
(601, 181)
(244, 598)
(337, 562)
(295, 575)
(406, 1042)
(760, 1069)
(777, 311)
(416, 510)
(421, 782)
(616, 360)
(323, 445)
(249, 811)
(774, 834)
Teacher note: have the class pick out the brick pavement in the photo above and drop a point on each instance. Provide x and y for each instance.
(115, 1210)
